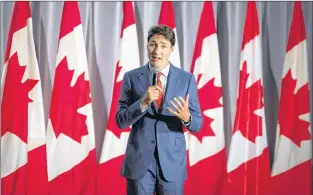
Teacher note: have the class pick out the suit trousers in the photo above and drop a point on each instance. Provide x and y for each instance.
(154, 183)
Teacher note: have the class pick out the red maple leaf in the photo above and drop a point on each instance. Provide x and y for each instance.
(65, 102)
(15, 100)
(209, 96)
(291, 107)
(114, 105)
(248, 101)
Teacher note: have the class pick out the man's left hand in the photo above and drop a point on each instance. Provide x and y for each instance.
(182, 108)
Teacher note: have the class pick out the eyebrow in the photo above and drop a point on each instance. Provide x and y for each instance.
(160, 42)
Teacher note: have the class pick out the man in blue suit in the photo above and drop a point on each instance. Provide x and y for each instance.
(157, 100)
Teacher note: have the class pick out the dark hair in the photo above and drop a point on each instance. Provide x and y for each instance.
(164, 30)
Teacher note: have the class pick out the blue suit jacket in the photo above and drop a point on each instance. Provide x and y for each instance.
(154, 128)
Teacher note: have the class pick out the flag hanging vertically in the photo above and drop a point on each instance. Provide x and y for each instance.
(207, 154)
(23, 147)
(71, 150)
(248, 163)
(292, 166)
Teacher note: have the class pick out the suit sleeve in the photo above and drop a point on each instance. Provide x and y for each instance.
(194, 107)
(129, 110)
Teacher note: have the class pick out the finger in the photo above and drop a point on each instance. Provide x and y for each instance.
(174, 105)
(159, 88)
(182, 100)
(155, 95)
(187, 98)
(155, 92)
(152, 89)
(173, 112)
(178, 102)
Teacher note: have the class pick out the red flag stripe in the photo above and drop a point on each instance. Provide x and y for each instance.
(251, 28)
(297, 29)
(70, 18)
(167, 15)
(21, 13)
(206, 28)
(129, 17)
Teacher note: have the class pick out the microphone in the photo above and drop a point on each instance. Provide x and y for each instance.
(154, 76)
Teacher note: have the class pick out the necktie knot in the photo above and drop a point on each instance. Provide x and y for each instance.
(159, 75)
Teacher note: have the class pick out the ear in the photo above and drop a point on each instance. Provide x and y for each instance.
(172, 48)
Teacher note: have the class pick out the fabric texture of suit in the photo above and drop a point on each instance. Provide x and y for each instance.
(156, 128)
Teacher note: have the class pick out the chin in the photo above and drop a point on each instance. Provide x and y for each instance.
(156, 65)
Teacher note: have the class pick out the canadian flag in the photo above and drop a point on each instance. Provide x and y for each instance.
(71, 150)
(110, 182)
(248, 161)
(292, 166)
(167, 17)
(23, 148)
(207, 154)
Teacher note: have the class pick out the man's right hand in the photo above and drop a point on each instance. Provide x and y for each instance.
(153, 92)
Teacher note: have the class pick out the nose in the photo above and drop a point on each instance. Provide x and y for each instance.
(157, 50)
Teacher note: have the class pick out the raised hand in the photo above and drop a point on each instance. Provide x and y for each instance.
(181, 108)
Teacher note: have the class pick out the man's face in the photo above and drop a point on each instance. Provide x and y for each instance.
(159, 50)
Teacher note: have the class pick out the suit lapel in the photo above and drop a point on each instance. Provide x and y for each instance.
(145, 78)
(171, 87)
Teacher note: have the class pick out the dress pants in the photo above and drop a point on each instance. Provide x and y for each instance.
(154, 183)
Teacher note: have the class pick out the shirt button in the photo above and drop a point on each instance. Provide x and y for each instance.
(152, 142)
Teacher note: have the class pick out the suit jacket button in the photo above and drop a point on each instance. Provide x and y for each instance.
(152, 142)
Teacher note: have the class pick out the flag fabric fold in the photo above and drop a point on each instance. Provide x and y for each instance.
(248, 161)
(72, 162)
(23, 146)
(207, 154)
(292, 166)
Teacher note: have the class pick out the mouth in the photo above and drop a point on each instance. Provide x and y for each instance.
(155, 58)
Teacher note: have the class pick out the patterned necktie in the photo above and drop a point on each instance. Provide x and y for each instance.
(159, 83)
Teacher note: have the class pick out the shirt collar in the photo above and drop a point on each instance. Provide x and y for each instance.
(164, 71)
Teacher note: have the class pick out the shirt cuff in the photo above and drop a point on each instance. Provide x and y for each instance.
(187, 124)
(142, 108)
